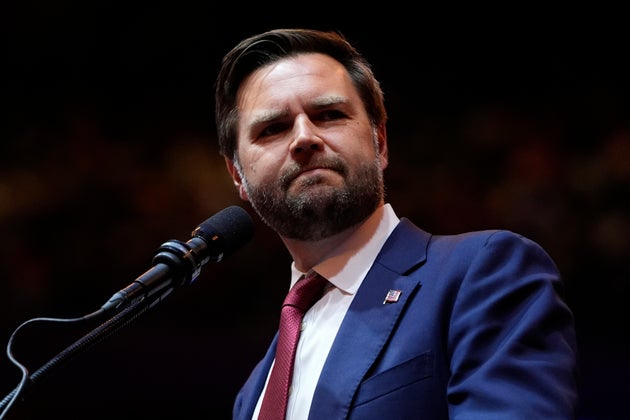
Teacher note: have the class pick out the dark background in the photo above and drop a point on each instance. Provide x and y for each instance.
(513, 119)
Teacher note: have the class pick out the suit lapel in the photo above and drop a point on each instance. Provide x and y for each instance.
(257, 381)
(369, 321)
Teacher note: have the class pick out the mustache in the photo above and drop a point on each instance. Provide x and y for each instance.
(294, 170)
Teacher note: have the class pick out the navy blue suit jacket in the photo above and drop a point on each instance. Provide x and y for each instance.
(481, 331)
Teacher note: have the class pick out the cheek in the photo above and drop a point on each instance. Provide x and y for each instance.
(257, 171)
(260, 163)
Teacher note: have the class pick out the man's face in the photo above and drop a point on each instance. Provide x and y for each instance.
(309, 160)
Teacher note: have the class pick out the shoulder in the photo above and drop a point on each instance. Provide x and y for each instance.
(497, 244)
(473, 241)
(495, 247)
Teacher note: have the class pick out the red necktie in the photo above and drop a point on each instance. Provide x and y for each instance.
(299, 299)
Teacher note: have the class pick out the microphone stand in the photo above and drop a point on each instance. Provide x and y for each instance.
(123, 318)
(177, 263)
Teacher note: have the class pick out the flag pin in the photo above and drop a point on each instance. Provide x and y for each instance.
(392, 296)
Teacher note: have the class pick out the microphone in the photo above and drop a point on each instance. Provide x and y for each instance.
(179, 263)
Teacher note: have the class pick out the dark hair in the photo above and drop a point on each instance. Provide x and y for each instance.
(268, 47)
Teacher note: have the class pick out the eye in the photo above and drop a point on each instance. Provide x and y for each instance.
(273, 129)
(331, 115)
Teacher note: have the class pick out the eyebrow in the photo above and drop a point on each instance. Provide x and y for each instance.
(268, 116)
(318, 103)
(326, 101)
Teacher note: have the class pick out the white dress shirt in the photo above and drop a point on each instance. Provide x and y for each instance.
(345, 269)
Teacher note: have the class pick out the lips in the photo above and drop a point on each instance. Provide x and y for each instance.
(316, 170)
(312, 170)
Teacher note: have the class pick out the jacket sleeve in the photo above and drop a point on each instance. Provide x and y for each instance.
(511, 338)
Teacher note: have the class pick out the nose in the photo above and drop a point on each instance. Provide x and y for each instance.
(306, 139)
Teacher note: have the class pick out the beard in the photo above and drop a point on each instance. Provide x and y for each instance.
(318, 211)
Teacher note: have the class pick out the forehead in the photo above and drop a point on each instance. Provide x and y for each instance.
(295, 75)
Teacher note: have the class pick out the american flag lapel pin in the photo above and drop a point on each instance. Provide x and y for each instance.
(392, 296)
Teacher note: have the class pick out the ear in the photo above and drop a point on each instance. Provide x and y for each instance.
(236, 177)
(381, 134)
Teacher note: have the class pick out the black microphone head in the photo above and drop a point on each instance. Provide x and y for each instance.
(226, 231)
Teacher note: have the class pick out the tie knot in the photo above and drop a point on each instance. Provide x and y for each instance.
(306, 291)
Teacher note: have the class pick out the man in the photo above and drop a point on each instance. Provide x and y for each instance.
(411, 325)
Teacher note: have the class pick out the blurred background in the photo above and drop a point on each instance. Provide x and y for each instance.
(497, 120)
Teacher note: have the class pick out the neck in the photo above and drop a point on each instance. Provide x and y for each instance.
(307, 254)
